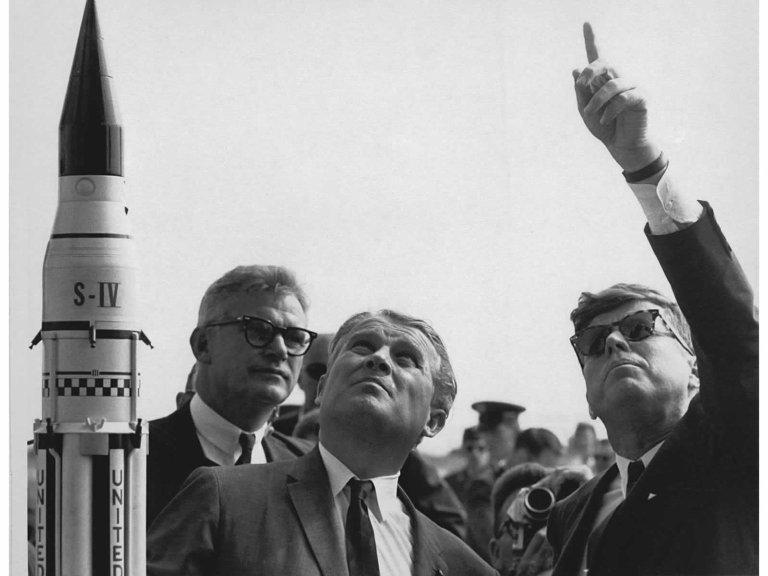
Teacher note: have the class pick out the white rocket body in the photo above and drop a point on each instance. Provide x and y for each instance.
(90, 482)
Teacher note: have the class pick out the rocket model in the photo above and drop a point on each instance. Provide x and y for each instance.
(90, 444)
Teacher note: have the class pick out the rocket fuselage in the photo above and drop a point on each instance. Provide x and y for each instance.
(90, 443)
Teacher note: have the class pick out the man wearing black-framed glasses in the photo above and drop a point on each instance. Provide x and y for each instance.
(249, 341)
(675, 386)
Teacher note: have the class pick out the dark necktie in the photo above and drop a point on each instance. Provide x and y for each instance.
(636, 468)
(361, 545)
(246, 443)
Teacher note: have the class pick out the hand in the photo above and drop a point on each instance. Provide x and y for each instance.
(538, 556)
(613, 109)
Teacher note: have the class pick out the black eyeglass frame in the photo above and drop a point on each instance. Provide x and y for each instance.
(243, 320)
(655, 313)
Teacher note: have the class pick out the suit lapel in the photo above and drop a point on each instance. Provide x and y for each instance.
(576, 539)
(182, 435)
(663, 475)
(277, 449)
(310, 493)
(427, 560)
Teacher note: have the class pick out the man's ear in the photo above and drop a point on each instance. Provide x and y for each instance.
(437, 418)
(693, 380)
(320, 389)
(198, 341)
(494, 549)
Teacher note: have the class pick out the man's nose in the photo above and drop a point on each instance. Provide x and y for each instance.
(277, 347)
(378, 363)
(615, 342)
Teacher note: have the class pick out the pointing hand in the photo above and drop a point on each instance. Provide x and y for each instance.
(613, 109)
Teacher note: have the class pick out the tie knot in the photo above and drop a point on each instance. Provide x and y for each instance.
(360, 489)
(247, 442)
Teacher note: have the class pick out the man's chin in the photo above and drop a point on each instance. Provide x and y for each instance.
(272, 392)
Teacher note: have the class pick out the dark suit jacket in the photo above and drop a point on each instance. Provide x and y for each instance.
(279, 519)
(694, 510)
(431, 495)
(175, 451)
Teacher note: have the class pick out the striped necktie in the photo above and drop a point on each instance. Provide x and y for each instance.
(360, 543)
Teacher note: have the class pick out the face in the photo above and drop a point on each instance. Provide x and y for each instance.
(237, 375)
(504, 548)
(653, 375)
(502, 439)
(604, 457)
(381, 378)
(477, 452)
(313, 367)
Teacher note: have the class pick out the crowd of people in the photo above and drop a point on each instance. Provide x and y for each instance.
(338, 486)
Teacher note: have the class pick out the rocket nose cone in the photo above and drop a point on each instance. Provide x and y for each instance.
(90, 135)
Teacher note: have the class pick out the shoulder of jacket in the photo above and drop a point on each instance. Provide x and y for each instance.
(297, 445)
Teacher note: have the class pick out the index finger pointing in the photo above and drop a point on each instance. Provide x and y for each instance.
(589, 43)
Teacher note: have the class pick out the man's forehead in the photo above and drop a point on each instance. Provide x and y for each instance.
(264, 304)
(616, 314)
(396, 332)
(386, 328)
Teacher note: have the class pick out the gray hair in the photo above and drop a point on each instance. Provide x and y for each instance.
(244, 279)
(442, 375)
(593, 304)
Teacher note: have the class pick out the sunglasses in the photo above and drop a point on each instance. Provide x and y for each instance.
(259, 333)
(634, 327)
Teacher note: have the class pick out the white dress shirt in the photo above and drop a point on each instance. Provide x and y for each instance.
(389, 520)
(219, 438)
(666, 209)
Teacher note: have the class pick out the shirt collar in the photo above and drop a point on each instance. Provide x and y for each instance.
(339, 475)
(218, 430)
(623, 464)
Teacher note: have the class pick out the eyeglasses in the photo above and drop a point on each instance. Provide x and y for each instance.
(634, 327)
(259, 333)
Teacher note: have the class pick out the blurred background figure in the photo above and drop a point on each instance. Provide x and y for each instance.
(522, 498)
(581, 446)
(604, 456)
(475, 451)
(189, 390)
(308, 426)
(537, 445)
(506, 547)
(533, 445)
(498, 423)
(312, 368)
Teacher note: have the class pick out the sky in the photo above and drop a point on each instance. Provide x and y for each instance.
(418, 155)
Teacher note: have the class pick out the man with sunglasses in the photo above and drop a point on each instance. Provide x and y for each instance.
(679, 404)
(248, 344)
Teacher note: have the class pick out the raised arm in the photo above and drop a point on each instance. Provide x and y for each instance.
(705, 276)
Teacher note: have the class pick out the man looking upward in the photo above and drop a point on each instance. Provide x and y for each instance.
(679, 404)
(336, 510)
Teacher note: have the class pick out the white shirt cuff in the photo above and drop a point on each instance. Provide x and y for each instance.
(667, 209)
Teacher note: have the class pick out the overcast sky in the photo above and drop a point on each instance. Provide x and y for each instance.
(423, 156)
